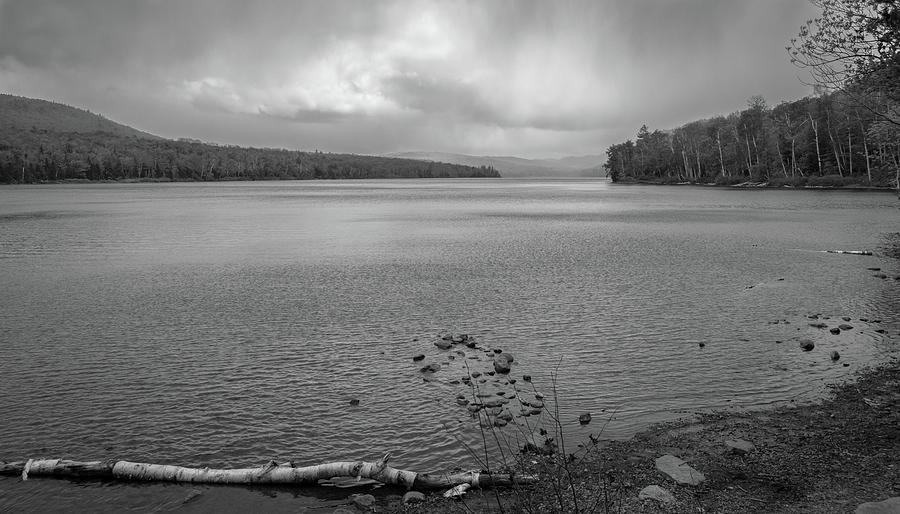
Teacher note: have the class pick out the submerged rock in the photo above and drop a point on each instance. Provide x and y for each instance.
(434, 367)
(807, 345)
(678, 470)
(443, 344)
(835, 355)
(419, 357)
(502, 364)
(585, 418)
(835, 331)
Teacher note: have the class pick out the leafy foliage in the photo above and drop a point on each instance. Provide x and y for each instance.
(43, 141)
(817, 141)
(854, 47)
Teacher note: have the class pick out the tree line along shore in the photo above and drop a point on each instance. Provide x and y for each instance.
(823, 141)
(43, 141)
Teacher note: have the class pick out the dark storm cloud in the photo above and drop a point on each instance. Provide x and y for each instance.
(501, 76)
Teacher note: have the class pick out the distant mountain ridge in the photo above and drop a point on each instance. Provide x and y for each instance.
(47, 141)
(33, 113)
(508, 166)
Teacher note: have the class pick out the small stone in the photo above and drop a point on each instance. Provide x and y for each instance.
(702, 345)
(874, 269)
(462, 401)
(526, 378)
(498, 350)
(679, 470)
(354, 401)
(419, 357)
(818, 325)
(835, 330)
(740, 447)
(835, 355)
(807, 345)
(585, 418)
(846, 364)
(844, 326)
(476, 374)
(363, 501)
(656, 493)
(845, 318)
(889, 506)
(413, 497)
(512, 381)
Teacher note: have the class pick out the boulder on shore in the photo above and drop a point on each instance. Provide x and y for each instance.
(363, 501)
(740, 446)
(889, 506)
(678, 470)
(656, 493)
(413, 497)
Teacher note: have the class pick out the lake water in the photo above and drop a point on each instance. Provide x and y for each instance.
(228, 324)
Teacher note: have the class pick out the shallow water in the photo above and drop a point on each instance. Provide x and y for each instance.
(230, 324)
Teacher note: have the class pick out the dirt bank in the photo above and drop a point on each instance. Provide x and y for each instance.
(826, 457)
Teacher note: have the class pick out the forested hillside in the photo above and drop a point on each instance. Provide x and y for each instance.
(46, 141)
(823, 140)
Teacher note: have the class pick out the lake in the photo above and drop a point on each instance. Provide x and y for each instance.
(227, 324)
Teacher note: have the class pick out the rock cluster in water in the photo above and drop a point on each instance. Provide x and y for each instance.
(483, 377)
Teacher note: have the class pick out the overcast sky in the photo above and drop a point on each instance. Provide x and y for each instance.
(527, 78)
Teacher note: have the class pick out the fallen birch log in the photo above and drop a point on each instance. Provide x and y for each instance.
(271, 473)
(850, 252)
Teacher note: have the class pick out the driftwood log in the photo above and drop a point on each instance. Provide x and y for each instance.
(271, 473)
